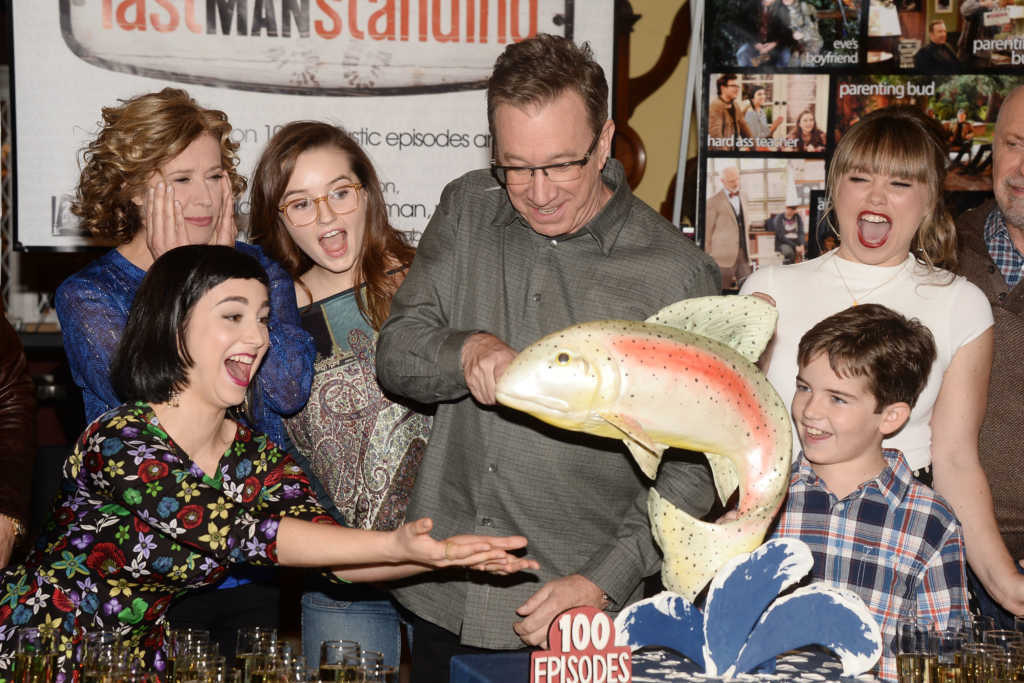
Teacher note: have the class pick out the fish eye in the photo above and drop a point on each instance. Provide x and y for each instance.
(562, 358)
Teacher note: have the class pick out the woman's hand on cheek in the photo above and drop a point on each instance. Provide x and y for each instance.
(163, 220)
(225, 232)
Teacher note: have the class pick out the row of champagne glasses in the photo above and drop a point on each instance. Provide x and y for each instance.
(971, 650)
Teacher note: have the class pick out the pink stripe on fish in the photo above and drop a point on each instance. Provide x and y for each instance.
(720, 378)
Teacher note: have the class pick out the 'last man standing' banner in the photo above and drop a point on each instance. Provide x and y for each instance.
(405, 77)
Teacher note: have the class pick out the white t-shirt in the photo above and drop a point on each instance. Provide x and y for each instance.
(806, 293)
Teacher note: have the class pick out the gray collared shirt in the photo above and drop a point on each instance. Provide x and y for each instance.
(580, 500)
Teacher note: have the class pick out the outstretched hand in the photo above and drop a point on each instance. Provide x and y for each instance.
(483, 553)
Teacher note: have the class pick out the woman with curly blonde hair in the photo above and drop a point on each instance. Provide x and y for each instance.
(160, 174)
(137, 137)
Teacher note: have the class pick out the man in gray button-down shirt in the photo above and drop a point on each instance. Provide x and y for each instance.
(560, 240)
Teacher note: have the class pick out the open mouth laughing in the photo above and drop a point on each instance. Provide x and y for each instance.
(873, 229)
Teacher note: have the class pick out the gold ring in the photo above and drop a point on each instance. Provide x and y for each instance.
(447, 547)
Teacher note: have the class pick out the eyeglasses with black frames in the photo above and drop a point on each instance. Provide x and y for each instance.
(341, 199)
(563, 172)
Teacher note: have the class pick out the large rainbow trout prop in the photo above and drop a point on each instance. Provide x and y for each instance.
(684, 378)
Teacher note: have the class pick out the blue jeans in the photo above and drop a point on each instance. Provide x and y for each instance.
(986, 604)
(355, 612)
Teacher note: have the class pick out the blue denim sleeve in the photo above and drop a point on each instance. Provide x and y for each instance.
(284, 379)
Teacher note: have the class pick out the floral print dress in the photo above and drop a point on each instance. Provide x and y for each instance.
(138, 524)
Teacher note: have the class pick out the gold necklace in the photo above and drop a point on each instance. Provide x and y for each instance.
(865, 294)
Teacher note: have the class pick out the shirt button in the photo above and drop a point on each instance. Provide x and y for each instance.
(492, 468)
(486, 521)
(554, 243)
(537, 297)
(1002, 296)
(991, 269)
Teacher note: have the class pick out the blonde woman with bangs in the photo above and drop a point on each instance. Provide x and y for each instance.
(159, 174)
(896, 248)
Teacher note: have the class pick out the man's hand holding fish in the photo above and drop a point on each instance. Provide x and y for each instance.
(484, 359)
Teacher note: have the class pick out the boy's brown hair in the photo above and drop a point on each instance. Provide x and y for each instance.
(893, 353)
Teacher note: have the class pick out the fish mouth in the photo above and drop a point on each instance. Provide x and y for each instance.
(873, 229)
(534, 404)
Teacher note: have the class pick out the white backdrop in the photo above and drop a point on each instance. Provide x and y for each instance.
(406, 77)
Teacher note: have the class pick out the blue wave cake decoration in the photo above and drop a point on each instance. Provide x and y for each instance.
(745, 624)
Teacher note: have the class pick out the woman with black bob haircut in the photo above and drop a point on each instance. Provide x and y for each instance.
(151, 364)
(163, 493)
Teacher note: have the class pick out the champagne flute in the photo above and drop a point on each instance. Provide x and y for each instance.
(340, 661)
(103, 656)
(185, 645)
(1003, 638)
(917, 652)
(251, 650)
(977, 664)
(948, 644)
(34, 659)
(371, 664)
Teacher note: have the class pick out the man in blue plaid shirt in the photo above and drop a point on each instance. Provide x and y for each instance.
(871, 526)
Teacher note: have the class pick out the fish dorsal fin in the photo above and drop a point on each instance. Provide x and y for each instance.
(645, 451)
(724, 472)
(744, 323)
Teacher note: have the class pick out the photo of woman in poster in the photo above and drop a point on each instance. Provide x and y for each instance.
(809, 138)
(757, 118)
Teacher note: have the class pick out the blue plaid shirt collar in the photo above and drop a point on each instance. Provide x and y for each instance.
(891, 483)
(1002, 250)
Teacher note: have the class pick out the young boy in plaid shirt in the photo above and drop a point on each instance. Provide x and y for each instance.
(871, 526)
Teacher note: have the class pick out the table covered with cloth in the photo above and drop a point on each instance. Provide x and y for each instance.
(652, 666)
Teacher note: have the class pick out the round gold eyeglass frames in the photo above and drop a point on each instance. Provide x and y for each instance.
(341, 199)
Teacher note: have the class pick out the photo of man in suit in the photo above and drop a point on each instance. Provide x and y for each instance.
(725, 230)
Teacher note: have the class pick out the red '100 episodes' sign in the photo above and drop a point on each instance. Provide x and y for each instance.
(583, 650)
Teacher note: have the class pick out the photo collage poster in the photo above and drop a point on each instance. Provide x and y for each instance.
(784, 79)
